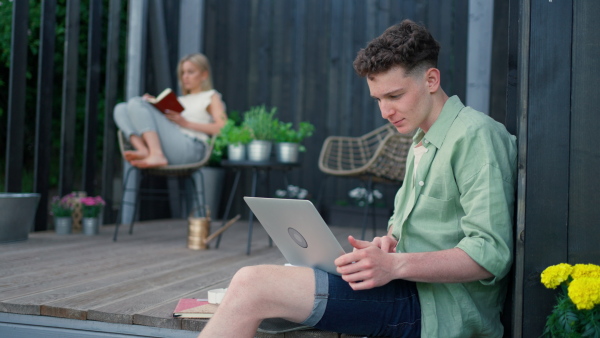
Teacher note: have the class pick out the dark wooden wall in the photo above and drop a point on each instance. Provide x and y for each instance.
(556, 102)
(297, 56)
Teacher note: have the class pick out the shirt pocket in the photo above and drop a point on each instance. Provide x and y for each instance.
(435, 210)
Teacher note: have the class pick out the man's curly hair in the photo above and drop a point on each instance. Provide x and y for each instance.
(406, 44)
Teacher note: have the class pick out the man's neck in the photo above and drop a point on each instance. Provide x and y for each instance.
(439, 99)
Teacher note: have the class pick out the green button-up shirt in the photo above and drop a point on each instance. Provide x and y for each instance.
(462, 196)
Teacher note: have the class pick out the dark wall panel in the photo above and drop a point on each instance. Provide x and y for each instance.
(584, 197)
(297, 56)
(547, 155)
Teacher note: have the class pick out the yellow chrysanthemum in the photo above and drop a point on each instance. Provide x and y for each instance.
(585, 270)
(585, 292)
(554, 275)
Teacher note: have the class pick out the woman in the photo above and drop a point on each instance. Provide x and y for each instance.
(174, 138)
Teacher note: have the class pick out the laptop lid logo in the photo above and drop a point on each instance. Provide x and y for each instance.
(297, 237)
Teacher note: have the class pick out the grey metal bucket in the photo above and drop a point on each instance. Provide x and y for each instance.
(287, 152)
(17, 214)
(236, 152)
(90, 225)
(63, 225)
(259, 150)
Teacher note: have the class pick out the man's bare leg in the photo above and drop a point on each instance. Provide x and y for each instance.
(141, 150)
(155, 158)
(259, 292)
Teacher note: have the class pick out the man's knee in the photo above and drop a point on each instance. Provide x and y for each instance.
(247, 282)
(248, 277)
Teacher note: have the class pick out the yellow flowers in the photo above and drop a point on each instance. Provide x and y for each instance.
(583, 282)
(585, 292)
(555, 275)
(576, 313)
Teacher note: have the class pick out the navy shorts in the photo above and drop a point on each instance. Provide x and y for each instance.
(392, 310)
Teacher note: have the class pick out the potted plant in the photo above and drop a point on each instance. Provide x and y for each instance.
(91, 208)
(262, 125)
(236, 138)
(288, 140)
(577, 309)
(62, 210)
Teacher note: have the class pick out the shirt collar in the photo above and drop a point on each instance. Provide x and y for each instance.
(439, 129)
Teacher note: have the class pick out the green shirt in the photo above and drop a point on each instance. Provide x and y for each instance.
(462, 196)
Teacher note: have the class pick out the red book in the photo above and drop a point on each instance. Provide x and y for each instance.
(167, 100)
(194, 308)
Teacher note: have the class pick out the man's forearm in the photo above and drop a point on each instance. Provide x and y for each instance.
(446, 266)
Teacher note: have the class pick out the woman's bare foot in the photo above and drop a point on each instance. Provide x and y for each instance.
(133, 155)
(152, 161)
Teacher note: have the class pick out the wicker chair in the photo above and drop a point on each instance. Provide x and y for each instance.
(377, 157)
(182, 171)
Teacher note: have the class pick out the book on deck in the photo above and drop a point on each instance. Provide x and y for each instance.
(194, 308)
(167, 100)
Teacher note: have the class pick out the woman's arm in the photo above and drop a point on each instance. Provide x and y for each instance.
(216, 108)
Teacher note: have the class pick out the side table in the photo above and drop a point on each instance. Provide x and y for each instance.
(255, 167)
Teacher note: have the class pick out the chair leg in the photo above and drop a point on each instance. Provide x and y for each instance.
(369, 190)
(135, 205)
(236, 180)
(251, 217)
(203, 194)
(198, 198)
(321, 192)
(124, 201)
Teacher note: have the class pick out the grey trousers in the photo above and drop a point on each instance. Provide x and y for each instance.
(137, 116)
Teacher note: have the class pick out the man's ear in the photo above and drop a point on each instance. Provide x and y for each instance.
(432, 76)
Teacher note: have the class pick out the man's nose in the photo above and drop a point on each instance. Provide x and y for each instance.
(386, 110)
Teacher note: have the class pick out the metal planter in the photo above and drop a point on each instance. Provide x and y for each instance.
(259, 150)
(236, 152)
(287, 152)
(17, 215)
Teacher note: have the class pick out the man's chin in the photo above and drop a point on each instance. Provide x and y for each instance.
(405, 130)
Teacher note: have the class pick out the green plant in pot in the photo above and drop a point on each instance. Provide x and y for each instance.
(235, 138)
(288, 140)
(262, 125)
(62, 210)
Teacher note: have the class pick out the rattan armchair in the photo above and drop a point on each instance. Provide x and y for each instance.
(378, 156)
(190, 172)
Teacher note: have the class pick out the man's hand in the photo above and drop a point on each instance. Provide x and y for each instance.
(371, 264)
(386, 243)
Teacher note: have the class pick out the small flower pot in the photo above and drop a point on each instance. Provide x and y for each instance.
(90, 226)
(287, 152)
(63, 225)
(236, 152)
(259, 150)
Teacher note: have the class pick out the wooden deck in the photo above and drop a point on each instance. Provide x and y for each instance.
(135, 281)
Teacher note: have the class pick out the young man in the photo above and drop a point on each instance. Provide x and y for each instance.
(441, 269)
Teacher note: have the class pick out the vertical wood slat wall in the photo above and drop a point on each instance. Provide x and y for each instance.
(297, 56)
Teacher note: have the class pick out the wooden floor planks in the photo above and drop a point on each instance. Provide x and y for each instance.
(136, 280)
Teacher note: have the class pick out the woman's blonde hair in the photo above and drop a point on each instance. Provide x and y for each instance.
(201, 61)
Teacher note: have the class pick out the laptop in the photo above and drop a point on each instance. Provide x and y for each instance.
(299, 231)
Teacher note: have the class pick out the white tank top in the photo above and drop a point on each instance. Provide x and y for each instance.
(418, 151)
(195, 111)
